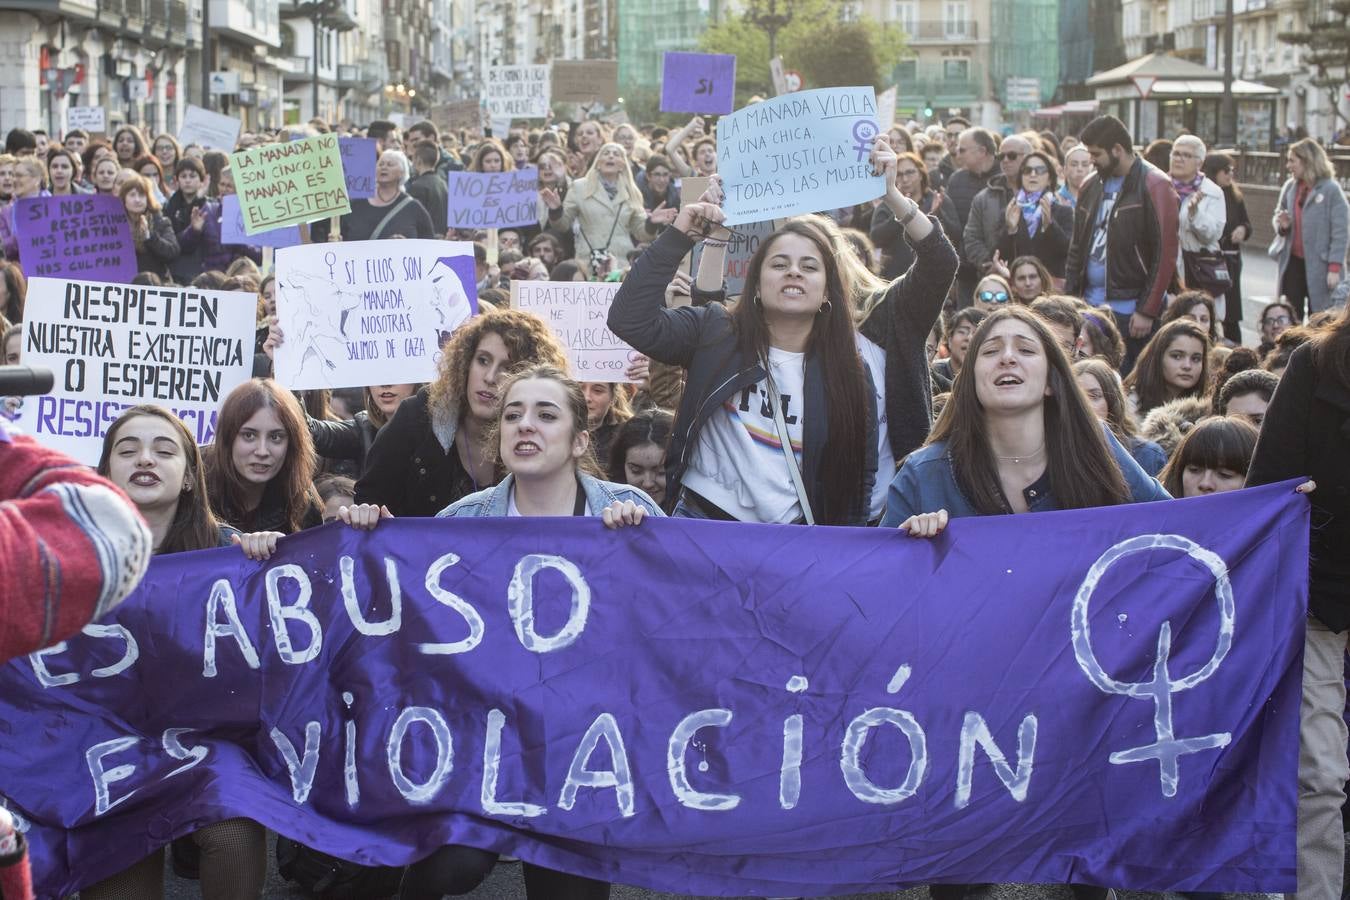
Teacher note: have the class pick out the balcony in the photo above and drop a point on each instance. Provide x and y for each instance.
(939, 31)
(294, 68)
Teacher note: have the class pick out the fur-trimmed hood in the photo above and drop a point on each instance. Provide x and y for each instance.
(1168, 424)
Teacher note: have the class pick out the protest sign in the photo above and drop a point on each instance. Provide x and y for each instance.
(91, 119)
(576, 312)
(496, 200)
(698, 82)
(585, 81)
(691, 188)
(1104, 696)
(501, 126)
(359, 156)
(112, 346)
(886, 108)
(457, 114)
(800, 153)
(290, 183)
(741, 246)
(75, 236)
(520, 92)
(778, 76)
(232, 228)
(370, 312)
(209, 129)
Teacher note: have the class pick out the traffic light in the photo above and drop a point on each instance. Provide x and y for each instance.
(928, 110)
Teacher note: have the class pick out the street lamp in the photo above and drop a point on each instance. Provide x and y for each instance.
(766, 15)
(331, 14)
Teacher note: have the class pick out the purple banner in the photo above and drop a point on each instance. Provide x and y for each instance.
(359, 156)
(232, 228)
(84, 237)
(698, 82)
(1103, 696)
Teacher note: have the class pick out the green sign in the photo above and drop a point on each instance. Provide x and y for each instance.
(290, 183)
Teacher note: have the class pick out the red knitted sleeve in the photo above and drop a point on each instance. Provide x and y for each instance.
(71, 546)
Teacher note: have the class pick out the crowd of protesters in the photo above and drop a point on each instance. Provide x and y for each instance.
(1022, 322)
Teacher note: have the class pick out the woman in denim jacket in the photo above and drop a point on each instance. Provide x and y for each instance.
(1016, 436)
(545, 448)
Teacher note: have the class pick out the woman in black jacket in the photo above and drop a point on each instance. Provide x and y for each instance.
(436, 449)
(1306, 432)
(794, 324)
(1222, 170)
(1034, 224)
(151, 230)
(912, 178)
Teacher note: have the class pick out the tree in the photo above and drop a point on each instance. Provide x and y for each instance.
(1328, 53)
(828, 50)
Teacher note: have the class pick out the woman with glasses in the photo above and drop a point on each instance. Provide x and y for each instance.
(1034, 224)
(911, 177)
(1222, 170)
(1201, 219)
(1277, 318)
(992, 292)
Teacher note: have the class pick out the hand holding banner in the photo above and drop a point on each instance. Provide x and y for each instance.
(698, 82)
(707, 708)
(800, 153)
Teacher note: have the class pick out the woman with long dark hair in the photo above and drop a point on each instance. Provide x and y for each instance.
(1173, 364)
(150, 454)
(778, 419)
(1016, 436)
(1212, 458)
(913, 180)
(1306, 432)
(260, 471)
(638, 454)
(128, 143)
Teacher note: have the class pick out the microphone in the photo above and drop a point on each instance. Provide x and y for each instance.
(24, 381)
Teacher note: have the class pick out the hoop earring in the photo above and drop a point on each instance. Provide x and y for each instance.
(758, 303)
(825, 308)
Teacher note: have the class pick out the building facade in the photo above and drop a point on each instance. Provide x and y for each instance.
(131, 57)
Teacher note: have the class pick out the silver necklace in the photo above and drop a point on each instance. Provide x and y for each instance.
(1018, 459)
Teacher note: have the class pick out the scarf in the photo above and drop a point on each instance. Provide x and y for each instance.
(611, 189)
(1186, 188)
(1031, 210)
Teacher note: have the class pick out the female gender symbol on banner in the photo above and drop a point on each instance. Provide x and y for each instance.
(864, 132)
(1168, 748)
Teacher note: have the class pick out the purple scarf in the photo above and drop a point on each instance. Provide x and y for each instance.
(1031, 210)
(1186, 188)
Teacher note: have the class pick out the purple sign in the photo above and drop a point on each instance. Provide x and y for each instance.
(232, 228)
(84, 237)
(698, 82)
(1098, 696)
(494, 200)
(359, 156)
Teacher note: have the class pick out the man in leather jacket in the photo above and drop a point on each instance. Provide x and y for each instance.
(1123, 252)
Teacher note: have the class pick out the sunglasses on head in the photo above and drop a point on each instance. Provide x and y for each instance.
(992, 296)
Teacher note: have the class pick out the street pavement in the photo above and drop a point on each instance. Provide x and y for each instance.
(1258, 279)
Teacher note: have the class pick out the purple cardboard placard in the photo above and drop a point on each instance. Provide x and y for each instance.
(85, 236)
(232, 228)
(359, 156)
(698, 83)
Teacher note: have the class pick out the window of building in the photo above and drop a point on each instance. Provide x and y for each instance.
(956, 70)
(907, 70)
(906, 15)
(956, 14)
